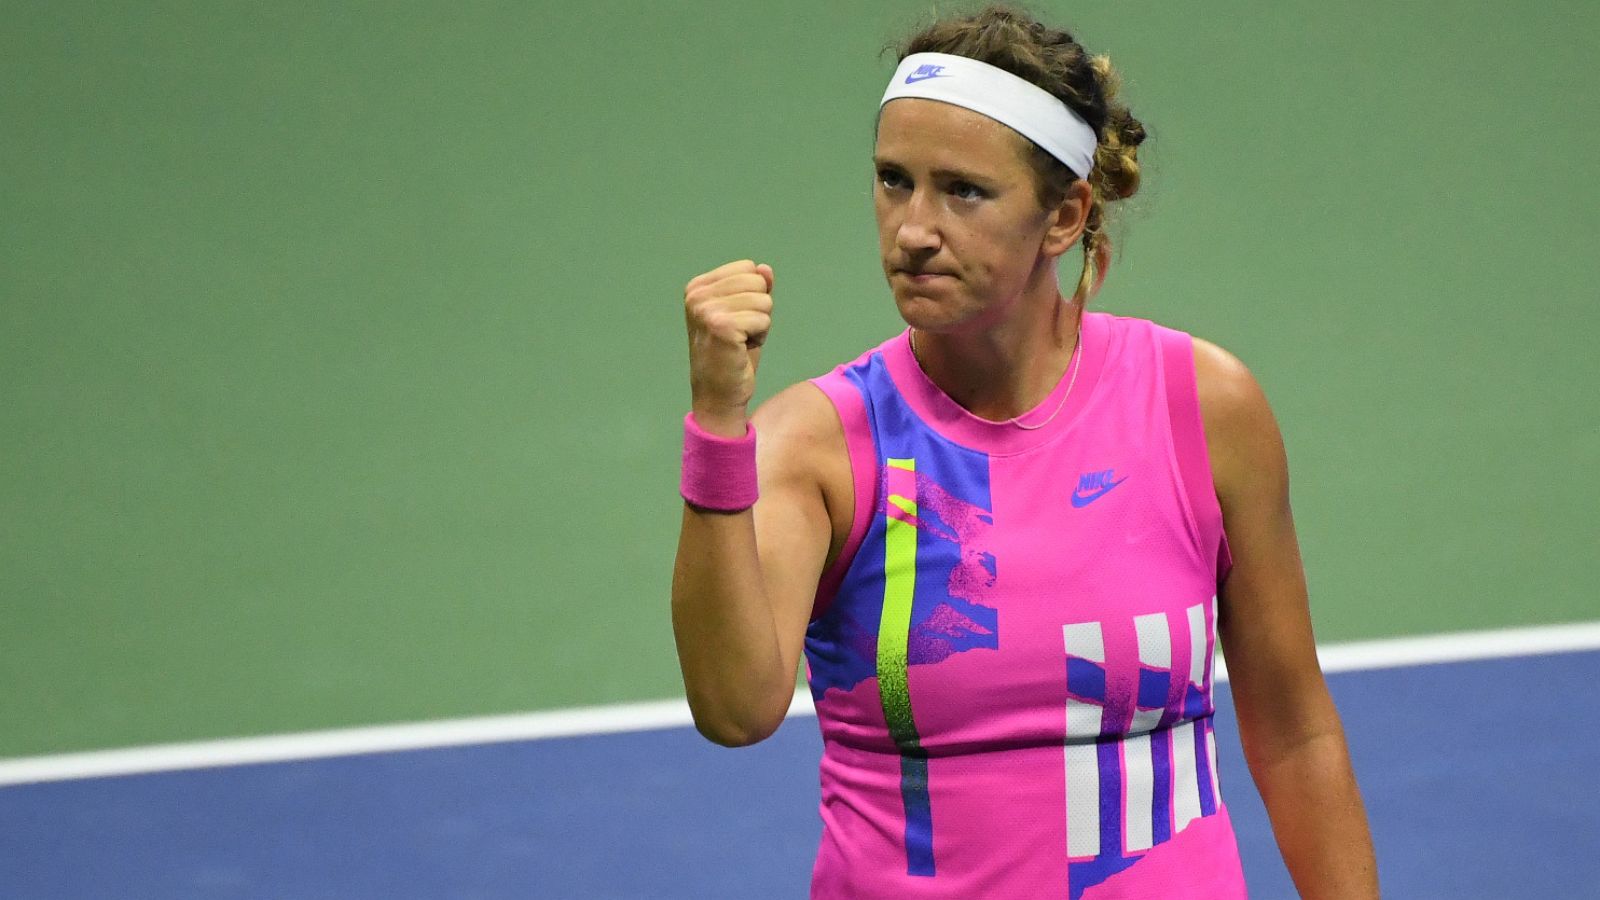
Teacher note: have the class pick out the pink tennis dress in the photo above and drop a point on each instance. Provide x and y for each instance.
(1012, 658)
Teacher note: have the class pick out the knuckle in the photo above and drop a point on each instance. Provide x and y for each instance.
(740, 276)
(708, 319)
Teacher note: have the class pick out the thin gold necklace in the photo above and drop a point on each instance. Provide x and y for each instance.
(1077, 360)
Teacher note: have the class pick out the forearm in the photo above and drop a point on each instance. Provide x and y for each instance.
(725, 630)
(1317, 817)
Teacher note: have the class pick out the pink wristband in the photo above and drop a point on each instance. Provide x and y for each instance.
(718, 473)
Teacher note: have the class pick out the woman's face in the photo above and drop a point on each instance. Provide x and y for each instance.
(960, 230)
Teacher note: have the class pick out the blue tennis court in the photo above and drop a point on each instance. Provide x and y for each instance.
(1478, 776)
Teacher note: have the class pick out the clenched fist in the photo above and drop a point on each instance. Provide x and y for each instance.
(728, 311)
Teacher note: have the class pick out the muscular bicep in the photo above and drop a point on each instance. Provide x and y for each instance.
(802, 465)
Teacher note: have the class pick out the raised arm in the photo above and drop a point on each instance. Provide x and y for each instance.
(743, 582)
(1292, 737)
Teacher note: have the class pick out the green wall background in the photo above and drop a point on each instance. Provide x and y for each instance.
(341, 356)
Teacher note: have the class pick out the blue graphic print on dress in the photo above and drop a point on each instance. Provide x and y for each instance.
(954, 569)
(912, 594)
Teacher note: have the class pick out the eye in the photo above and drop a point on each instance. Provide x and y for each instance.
(891, 179)
(966, 190)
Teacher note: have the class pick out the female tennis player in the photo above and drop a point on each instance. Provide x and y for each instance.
(1007, 538)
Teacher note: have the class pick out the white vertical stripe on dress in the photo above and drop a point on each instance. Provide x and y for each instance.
(1211, 760)
(1197, 644)
(1185, 776)
(1155, 651)
(1084, 722)
(1141, 782)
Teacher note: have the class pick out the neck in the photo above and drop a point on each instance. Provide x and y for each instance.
(1004, 370)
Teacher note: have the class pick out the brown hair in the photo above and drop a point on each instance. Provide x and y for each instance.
(1010, 39)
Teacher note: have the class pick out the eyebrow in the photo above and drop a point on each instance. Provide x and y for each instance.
(958, 174)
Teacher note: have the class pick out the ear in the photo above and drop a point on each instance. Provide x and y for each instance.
(1067, 221)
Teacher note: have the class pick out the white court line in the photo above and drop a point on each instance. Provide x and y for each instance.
(1460, 646)
(1377, 654)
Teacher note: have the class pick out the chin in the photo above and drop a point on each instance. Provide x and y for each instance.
(912, 307)
(925, 313)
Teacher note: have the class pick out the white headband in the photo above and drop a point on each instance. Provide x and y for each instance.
(1023, 106)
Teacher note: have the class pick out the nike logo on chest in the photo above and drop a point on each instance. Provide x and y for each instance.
(1094, 485)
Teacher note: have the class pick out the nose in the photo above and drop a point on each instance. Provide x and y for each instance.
(918, 233)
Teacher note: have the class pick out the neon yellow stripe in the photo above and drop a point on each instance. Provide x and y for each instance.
(894, 627)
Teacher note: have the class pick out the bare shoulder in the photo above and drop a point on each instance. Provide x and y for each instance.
(800, 419)
(1226, 386)
(1242, 434)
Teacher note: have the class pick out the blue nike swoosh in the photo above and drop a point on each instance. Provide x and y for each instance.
(1080, 501)
(913, 78)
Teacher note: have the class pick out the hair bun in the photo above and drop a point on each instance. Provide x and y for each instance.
(1123, 129)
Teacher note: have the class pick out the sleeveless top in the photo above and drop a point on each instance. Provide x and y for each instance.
(1011, 661)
